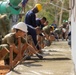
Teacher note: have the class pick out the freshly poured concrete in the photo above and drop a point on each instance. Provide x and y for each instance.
(57, 61)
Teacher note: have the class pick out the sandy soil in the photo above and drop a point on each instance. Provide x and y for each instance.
(3, 71)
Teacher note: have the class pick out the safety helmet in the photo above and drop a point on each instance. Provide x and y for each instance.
(52, 27)
(22, 26)
(39, 6)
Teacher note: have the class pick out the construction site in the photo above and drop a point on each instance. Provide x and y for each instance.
(35, 37)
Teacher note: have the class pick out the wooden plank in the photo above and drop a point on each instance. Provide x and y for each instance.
(3, 67)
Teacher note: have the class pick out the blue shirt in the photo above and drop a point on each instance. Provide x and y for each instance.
(55, 26)
(24, 2)
(30, 18)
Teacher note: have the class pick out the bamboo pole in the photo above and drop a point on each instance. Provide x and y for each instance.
(60, 20)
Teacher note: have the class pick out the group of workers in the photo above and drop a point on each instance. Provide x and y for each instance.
(31, 26)
(41, 34)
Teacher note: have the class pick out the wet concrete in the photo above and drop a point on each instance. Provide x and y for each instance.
(57, 61)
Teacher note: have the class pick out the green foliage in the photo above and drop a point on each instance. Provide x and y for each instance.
(47, 15)
(65, 16)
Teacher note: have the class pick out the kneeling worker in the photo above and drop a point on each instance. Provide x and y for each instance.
(12, 39)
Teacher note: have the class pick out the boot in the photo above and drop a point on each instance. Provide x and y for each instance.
(40, 56)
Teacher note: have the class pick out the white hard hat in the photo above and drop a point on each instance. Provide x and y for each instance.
(22, 26)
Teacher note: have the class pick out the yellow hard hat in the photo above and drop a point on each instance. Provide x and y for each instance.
(52, 27)
(39, 6)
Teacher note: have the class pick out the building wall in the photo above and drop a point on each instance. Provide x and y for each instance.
(73, 30)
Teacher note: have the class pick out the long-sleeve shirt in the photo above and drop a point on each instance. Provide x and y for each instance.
(30, 18)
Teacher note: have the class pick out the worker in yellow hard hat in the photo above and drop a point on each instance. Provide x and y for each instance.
(30, 20)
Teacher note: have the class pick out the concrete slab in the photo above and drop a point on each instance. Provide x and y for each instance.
(57, 61)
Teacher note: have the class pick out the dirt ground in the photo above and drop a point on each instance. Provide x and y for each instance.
(57, 61)
(3, 71)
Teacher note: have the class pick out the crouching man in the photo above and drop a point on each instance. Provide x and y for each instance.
(12, 39)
